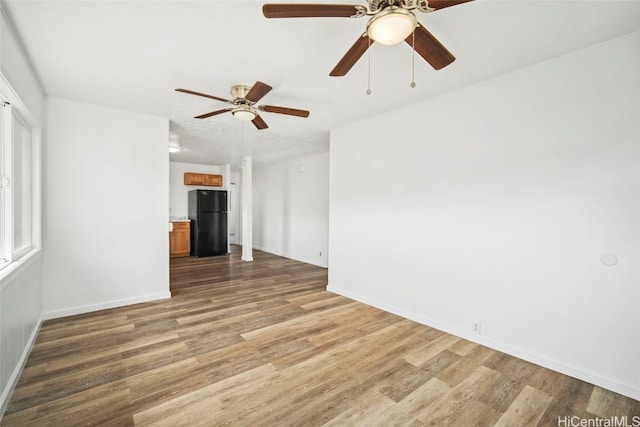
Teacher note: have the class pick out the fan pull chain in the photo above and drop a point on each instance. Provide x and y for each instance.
(369, 69)
(413, 60)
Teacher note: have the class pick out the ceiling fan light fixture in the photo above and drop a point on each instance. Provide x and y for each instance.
(391, 26)
(244, 113)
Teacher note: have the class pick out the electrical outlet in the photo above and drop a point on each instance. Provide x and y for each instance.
(320, 253)
(477, 327)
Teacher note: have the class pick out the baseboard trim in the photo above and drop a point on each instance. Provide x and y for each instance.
(616, 386)
(15, 375)
(72, 311)
(306, 261)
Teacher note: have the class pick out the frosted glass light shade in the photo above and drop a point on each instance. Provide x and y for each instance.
(244, 115)
(391, 26)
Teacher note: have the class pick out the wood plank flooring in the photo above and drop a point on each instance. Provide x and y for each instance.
(264, 344)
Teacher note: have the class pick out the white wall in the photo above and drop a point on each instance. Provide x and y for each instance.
(107, 196)
(495, 203)
(15, 67)
(21, 288)
(291, 208)
(20, 320)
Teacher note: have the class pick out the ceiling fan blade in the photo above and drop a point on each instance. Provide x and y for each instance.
(213, 113)
(259, 123)
(310, 10)
(257, 91)
(351, 57)
(202, 94)
(430, 48)
(441, 4)
(284, 110)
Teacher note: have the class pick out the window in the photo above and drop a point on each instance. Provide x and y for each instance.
(5, 133)
(21, 173)
(17, 140)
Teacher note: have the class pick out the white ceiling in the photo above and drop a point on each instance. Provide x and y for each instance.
(131, 55)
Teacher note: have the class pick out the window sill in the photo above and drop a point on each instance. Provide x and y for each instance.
(17, 266)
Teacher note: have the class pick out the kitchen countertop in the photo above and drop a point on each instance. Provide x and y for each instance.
(179, 219)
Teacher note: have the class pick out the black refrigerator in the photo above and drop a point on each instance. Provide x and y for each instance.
(208, 215)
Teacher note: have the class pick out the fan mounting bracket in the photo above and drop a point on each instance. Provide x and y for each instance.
(244, 107)
(377, 6)
(423, 6)
(360, 11)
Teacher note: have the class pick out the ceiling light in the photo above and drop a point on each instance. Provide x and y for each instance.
(391, 26)
(244, 113)
(174, 145)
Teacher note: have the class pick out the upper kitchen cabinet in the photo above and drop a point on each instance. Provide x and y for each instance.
(191, 178)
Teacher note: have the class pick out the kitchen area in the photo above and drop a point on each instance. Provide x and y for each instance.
(203, 210)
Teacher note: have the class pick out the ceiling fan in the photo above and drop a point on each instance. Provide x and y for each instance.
(244, 99)
(390, 22)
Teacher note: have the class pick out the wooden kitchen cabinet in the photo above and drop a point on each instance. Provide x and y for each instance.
(192, 178)
(213, 180)
(180, 240)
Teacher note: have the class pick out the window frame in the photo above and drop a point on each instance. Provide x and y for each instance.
(13, 107)
(6, 229)
(25, 182)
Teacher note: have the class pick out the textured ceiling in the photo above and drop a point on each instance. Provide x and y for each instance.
(131, 55)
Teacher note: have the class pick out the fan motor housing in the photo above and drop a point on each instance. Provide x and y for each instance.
(240, 91)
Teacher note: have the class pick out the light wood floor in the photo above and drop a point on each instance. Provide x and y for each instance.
(264, 344)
